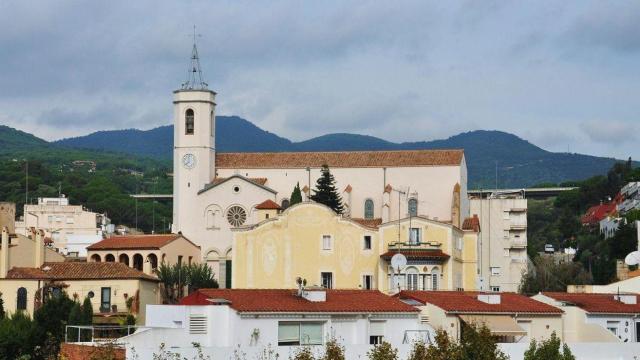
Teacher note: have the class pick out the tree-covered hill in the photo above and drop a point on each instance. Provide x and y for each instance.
(519, 163)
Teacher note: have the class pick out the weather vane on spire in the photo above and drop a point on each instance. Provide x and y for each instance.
(194, 74)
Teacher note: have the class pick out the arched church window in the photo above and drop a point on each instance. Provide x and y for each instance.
(368, 209)
(284, 204)
(21, 303)
(236, 216)
(189, 119)
(413, 207)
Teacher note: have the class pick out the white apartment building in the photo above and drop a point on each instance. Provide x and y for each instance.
(630, 197)
(70, 228)
(502, 244)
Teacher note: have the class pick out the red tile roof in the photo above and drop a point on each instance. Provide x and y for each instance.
(268, 205)
(79, 271)
(339, 159)
(597, 213)
(596, 303)
(467, 302)
(135, 242)
(472, 223)
(372, 223)
(417, 254)
(286, 300)
(259, 181)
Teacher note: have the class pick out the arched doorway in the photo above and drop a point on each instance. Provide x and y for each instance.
(110, 258)
(153, 261)
(124, 258)
(95, 258)
(138, 261)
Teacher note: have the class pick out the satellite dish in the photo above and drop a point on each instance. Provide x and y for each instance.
(632, 259)
(399, 261)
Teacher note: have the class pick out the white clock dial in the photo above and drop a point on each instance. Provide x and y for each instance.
(189, 161)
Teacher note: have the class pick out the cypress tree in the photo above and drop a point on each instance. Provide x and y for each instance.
(326, 192)
(87, 312)
(296, 195)
(1, 307)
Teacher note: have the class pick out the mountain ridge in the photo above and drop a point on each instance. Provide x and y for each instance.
(518, 162)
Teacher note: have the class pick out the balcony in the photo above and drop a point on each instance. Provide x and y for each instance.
(518, 225)
(518, 260)
(414, 246)
(517, 210)
(518, 244)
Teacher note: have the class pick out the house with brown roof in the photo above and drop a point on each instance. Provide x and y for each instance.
(114, 288)
(511, 317)
(145, 252)
(597, 317)
(282, 318)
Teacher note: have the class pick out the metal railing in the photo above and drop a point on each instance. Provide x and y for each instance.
(415, 245)
(97, 333)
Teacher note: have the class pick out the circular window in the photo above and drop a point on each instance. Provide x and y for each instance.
(91, 294)
(236, 216)
(236, 189)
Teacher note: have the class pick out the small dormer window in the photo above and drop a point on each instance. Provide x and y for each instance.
(189, 120)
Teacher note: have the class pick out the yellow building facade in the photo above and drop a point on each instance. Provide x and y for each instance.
(310, 241)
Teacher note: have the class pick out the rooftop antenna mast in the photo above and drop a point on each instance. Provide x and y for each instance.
(194, 74)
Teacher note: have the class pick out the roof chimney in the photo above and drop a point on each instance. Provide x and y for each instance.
(489, 298)
(628, 299)
(315, 294)
(4, 252)
(39, 249)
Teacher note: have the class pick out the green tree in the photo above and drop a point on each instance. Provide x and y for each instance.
(548, 350)
(383, 351)
(296, 195)
(333, 350)
(444, 348)
(418, 351)
(75, 318)
(303, 353)
(2, 314)
(326, 192)
(477, 343)
(87, 311)
(51, 319)
(175, 277)
(546, 275)
(200, 276)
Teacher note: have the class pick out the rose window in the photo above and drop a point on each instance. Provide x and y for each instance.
(236, 216)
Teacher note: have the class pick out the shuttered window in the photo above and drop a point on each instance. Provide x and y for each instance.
(299, 333)
(197, 324)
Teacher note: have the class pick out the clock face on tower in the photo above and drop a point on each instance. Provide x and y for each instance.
(189, 161)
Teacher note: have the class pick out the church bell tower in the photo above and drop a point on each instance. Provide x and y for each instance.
(193, 144)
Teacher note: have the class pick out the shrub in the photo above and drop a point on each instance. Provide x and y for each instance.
(303, 353)
(548, 350)
(383, 351)
(333, 350)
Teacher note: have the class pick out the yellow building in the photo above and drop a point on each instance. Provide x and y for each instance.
(310, 241)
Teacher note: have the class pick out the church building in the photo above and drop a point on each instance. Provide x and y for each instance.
(218, 193)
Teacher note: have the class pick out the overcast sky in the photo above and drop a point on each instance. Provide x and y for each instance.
(561, 74)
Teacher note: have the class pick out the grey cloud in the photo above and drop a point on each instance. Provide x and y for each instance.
(611, 132)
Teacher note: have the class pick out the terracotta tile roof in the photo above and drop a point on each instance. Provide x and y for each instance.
(286, 300)
(598, 212)
(339, 159)
(79, 271)
(219, 180)
(471, 223)
(467, 302)
(135, 242)
(372, 223)
(268, 205)
(596, 303)
(417, 254)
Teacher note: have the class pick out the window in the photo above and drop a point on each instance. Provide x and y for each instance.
(197, 324)
(299, 333)
(435, 273)
(495, 288)
(188, 122)
(495, 271)
(368, 209)
(376, 332)
(236, 216)
(367, 282)
(284, 204)
(266, 216)
(326, 280)
(367, 242)
(412, 281)
(413, 207)
(21, 303)
(613, 326)
(70, 220)
(105, 299)
(326, 242)
(414, 236)
(179, 260)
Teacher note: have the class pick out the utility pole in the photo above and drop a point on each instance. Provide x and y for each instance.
(26, 187)
(399, 193)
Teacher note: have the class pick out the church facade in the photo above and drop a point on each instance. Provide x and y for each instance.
(215, 193)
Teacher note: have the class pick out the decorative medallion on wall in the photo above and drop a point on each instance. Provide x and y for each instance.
(269, 256)
(236, 216)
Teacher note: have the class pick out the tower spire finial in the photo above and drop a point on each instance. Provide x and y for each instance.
(194, 74)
